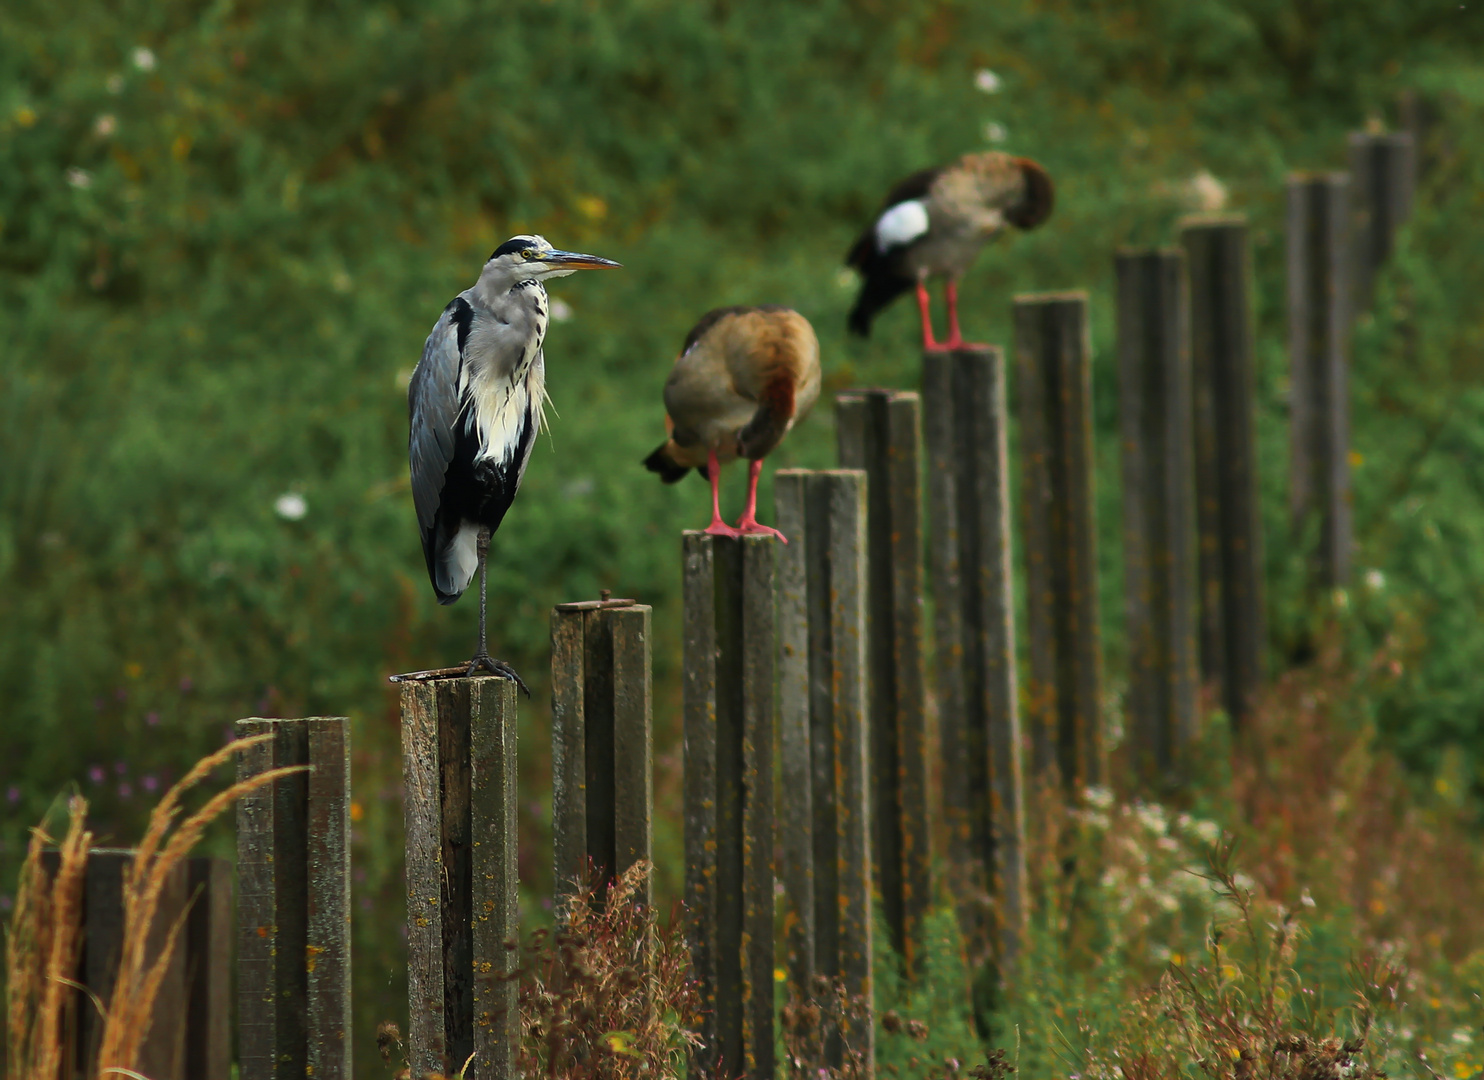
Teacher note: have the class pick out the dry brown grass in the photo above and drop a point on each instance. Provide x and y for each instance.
(46, 929)
(42, 950)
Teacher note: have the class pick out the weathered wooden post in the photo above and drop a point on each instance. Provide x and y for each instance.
(1233, 622)
(458, 767)
(293, 912)
(730, 722)
(1053, 355)
(1319, 320)
(208, 968)
(1155, 410)
(164, 1052)
(824, 804)
(974, 679)
(602, 793)
(878, 431)
(1383, 169)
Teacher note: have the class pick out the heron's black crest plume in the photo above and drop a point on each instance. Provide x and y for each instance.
(511, 247)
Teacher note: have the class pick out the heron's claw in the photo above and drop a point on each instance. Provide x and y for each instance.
(757, 528)
(497, 667)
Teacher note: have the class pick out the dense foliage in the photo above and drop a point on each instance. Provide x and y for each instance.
(226, 228)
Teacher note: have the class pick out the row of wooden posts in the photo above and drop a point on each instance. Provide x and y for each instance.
(817, 651)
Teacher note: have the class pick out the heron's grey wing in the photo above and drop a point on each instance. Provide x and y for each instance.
(434, 399)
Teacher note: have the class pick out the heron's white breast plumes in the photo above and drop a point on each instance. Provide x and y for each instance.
(901, 224)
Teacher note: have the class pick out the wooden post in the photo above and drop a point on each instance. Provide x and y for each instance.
(878, 431)
(729, 732)
(1233, 621)
(602, 788)
(458, 762)
(1384, 172)
(1154, 397)
(208, 969)
(293, 915)
(102, 915)
(825, 803)
(1319, 320)
(1053, 354)
(978, 704)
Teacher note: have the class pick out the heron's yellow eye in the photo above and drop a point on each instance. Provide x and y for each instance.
(529, 253)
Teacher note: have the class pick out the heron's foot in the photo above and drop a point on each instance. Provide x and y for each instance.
(497, 667)
(955, 343)
(750, 526)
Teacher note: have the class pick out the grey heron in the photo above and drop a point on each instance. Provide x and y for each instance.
(933, 224)
(744, 376)
(476, 404)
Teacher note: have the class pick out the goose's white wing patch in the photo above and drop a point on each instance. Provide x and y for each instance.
(901, 224)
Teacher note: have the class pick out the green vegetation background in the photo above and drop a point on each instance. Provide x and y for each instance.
(226, 228)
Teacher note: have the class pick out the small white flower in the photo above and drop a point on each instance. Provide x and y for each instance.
(1204, 192)
(1375, 580)
(1100, 797)
(987, 81)
(1463, 1037)
(579, 488)
(144, 59)
(105, 125)
(1306, 899)
(79, 178)
(290, 506)
(115, 83)
(994, 131)
(1152, 817)
(561, 311)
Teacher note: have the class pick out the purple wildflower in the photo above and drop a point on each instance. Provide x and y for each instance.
(96, 774)
(151, 718)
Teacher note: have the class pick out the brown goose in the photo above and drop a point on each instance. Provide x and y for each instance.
(743, 377)
(933, 224)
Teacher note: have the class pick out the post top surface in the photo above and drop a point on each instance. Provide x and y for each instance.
(701, 536)
(848, 473)
(1380, 138)
(442, 674)
(1162, 252)
(861, 393)
(1212, 221)
(1067, 296)
(598, 605)
(1319, 176)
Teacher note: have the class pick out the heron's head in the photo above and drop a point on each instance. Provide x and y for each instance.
(525, 258)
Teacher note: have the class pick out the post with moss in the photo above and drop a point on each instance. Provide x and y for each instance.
(1154, 408)
(602, 794)
(458, 767)
(1233, 624)
(1383, 168)
(1319, 321)
(1053, 355)
(974, 679)
(878, 431)
(730, 722)
(825, 831)
(293, 915)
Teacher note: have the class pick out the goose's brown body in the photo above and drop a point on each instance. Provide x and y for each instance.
(744, 377)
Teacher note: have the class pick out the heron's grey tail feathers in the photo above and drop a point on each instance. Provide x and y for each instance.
(453, 561)
(668, 469)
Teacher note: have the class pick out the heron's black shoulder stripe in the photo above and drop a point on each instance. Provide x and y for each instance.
(511, 247)
(463, 318)
(715, 315)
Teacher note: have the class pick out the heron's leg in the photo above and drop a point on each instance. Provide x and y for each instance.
(924, 308)
(482, 657)
(747, 524)
(717, 526)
